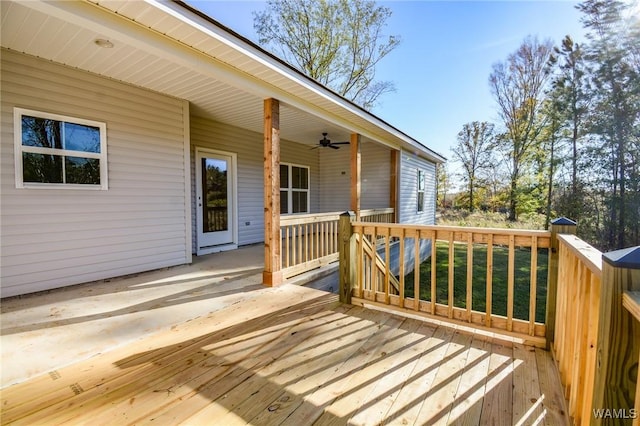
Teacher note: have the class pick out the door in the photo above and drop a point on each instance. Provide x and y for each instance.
(215, 200)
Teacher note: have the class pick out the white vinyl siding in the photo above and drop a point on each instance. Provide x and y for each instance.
(376, 176)
(248, 145)
(58, 237)
(335, 177)
(408, 196)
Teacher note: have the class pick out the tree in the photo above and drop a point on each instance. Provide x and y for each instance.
(443, 185)
(568, 108)
(518, 85)
(473, 150)
(615, 115)
(338, 43)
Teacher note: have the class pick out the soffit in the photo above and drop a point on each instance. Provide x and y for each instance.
(222, 76)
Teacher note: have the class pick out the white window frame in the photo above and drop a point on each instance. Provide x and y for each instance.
(421, 186)
(19, 149)
(290, 190)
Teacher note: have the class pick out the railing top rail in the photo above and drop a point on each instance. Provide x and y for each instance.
(589, 255)
(299, 219)
(371, 212)
(463, 229)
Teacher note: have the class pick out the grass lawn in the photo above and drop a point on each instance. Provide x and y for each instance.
(499, 293)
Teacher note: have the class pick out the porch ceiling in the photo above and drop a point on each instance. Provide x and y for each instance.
(180, 59)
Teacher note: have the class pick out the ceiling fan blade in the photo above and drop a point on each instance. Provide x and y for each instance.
(340, 143)
(333, 146)
(315, 147)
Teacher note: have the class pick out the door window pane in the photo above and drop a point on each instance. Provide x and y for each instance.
(216, 199)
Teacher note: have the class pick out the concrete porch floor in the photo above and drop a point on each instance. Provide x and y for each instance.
(44, 331)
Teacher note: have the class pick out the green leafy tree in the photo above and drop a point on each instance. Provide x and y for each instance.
(473, 150)
(567, 110)
(612, 54)
(338, 43)
(518, 86)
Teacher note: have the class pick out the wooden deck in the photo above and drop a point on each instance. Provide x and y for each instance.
(295, 356)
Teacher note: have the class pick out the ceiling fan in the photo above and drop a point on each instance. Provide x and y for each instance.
(326, 143)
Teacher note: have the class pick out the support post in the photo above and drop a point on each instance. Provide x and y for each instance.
(393, 188)
(558, 226)
(618, 343)
(356, 174)
(347, 256)
(272, 274)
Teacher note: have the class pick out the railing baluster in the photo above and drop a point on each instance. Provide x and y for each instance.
(387, 271)
(489, 283)
(510, 281)
(287, 245)
(416, 272)
(374, 268)
(401, 267)
(451, 275)
(282, 260)
(469, 274)
(533, 289)
(434, 267)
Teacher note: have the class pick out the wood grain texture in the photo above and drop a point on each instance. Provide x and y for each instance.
(292, 355)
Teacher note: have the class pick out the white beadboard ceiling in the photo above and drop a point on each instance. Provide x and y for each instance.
(168, 49)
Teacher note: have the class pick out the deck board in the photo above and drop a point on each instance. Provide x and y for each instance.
(293, 356)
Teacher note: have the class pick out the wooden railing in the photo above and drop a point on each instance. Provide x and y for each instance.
(378, 215)
(311, 240)
(597, 340)
(592, 310)
(631, 302)
(577, 316)
(425, 296)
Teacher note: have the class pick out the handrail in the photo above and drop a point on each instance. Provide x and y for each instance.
(577, 317)
(394, 237)
(309, 241)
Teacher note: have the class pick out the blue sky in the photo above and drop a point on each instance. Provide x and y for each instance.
(442, 66)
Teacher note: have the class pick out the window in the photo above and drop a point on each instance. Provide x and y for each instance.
(294, 189)
(421, 186)
(57, 151)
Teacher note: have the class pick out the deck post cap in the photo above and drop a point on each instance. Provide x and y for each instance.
(628, 258)
(563, 221)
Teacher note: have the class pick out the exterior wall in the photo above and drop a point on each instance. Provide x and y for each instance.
(408, 191)
(58, 237)
(335, 178)
(408, 204)
(247, 145)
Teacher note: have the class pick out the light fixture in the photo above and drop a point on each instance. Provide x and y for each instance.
(101, 42)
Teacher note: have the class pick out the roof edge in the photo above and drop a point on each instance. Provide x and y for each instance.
(374, 119)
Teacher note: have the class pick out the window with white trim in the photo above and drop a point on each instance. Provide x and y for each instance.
(294, 189)
(56, 151)
(421, 186)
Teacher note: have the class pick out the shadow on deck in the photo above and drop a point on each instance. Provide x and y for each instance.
(294, 355)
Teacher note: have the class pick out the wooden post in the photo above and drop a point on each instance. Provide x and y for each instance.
(631, 301)
(272, 274)
(356, 174)
(558, 226)
(393, 187)
(618, 338)
(347, 256)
